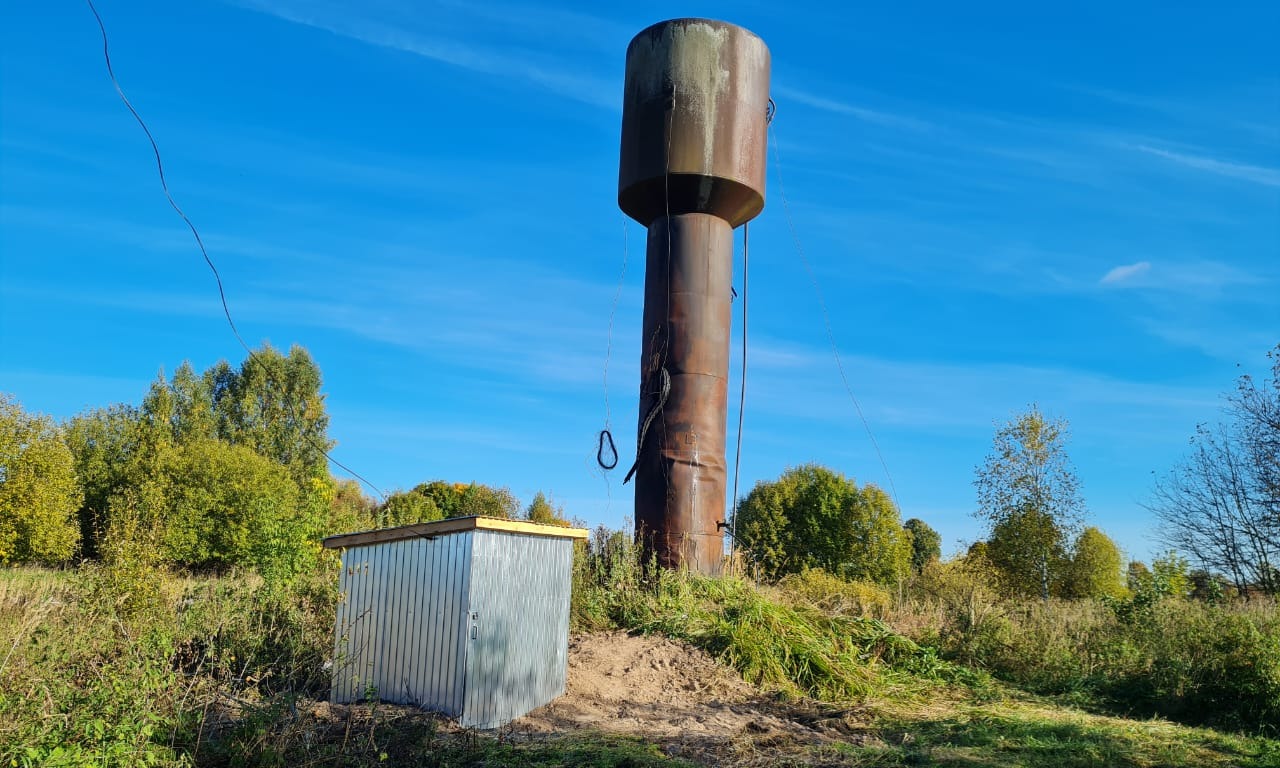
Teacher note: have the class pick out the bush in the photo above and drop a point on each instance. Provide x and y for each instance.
(812, 517)
(438, 500)
(39, 494)
(226, 505)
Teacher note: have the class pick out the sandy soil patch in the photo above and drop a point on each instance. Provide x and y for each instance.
(671, 693)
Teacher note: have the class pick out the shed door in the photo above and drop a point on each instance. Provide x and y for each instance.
(517, 625)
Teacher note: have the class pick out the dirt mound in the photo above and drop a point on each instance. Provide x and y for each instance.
(676, 695)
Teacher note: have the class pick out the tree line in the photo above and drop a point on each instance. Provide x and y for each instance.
(1219, 512)
(211, 470)
(229, 468)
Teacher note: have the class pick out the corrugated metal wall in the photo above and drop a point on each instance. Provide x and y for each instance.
(402, 622)
(472, 624)
(520, 607)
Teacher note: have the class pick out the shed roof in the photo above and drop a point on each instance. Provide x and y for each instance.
(451, 525)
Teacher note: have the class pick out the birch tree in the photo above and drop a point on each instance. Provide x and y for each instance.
(1029, 496)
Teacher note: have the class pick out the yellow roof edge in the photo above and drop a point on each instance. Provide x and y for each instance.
(451, 525)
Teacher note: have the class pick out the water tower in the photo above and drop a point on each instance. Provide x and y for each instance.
(694, 127)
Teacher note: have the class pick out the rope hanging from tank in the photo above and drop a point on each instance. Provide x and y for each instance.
(605, 447)
(663, 391)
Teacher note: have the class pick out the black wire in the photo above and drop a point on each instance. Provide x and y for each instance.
(826, 316)
(664, 391)
(106, 54)
(164, 184)
(606, 433)
(742, 393)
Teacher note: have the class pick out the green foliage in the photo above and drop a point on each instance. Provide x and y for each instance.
(812, 517)
(106, 445)
(1168, 576)
(607, 582)
(1009, 733)
(1212, 664)
(437, 500)
(39, 494)
(1029, 494)
(82, 692)
(408, 507)
(226, 672)
(229, 466)
(349, 509)
(1210, 587)
(272, 404)
(227, 505)
(132, 559)
(1027, 548)
(1137, 575)
(1150, 652)
(544, 512)
(926, 543)
(180, 410)
(1095, 567)
(486, 501)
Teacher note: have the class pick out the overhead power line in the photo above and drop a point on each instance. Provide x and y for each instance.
(826, 316)
(222, 295)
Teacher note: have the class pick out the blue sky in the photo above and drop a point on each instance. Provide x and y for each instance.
(1077, 206)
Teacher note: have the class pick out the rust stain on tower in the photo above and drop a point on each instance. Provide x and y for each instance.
(694, 125)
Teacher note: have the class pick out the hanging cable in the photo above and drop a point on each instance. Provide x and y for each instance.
(826, 316)
(164, 185)
(609, 460)
(742, 397)
(663, 391)
(665, 388)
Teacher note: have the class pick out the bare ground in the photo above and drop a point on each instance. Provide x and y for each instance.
(675, 695)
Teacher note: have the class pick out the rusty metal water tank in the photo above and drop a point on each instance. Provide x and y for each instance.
(694, 122)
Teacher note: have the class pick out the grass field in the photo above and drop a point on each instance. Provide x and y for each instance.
(149, 668)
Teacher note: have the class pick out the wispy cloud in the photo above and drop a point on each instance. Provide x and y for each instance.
(1125, 273)
(1202, 277)
(867, 115)
(1257, 174)
(572, 83)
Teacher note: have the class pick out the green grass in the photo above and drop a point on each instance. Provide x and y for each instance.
(1021, 732)
(230, 672)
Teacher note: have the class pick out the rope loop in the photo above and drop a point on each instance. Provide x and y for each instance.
(606, 443)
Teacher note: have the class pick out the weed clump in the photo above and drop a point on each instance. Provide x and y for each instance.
(783, 639)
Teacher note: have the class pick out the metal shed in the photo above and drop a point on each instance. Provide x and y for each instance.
(467, 616)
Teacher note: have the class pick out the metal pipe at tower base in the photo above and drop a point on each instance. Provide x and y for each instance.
(692, 168)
